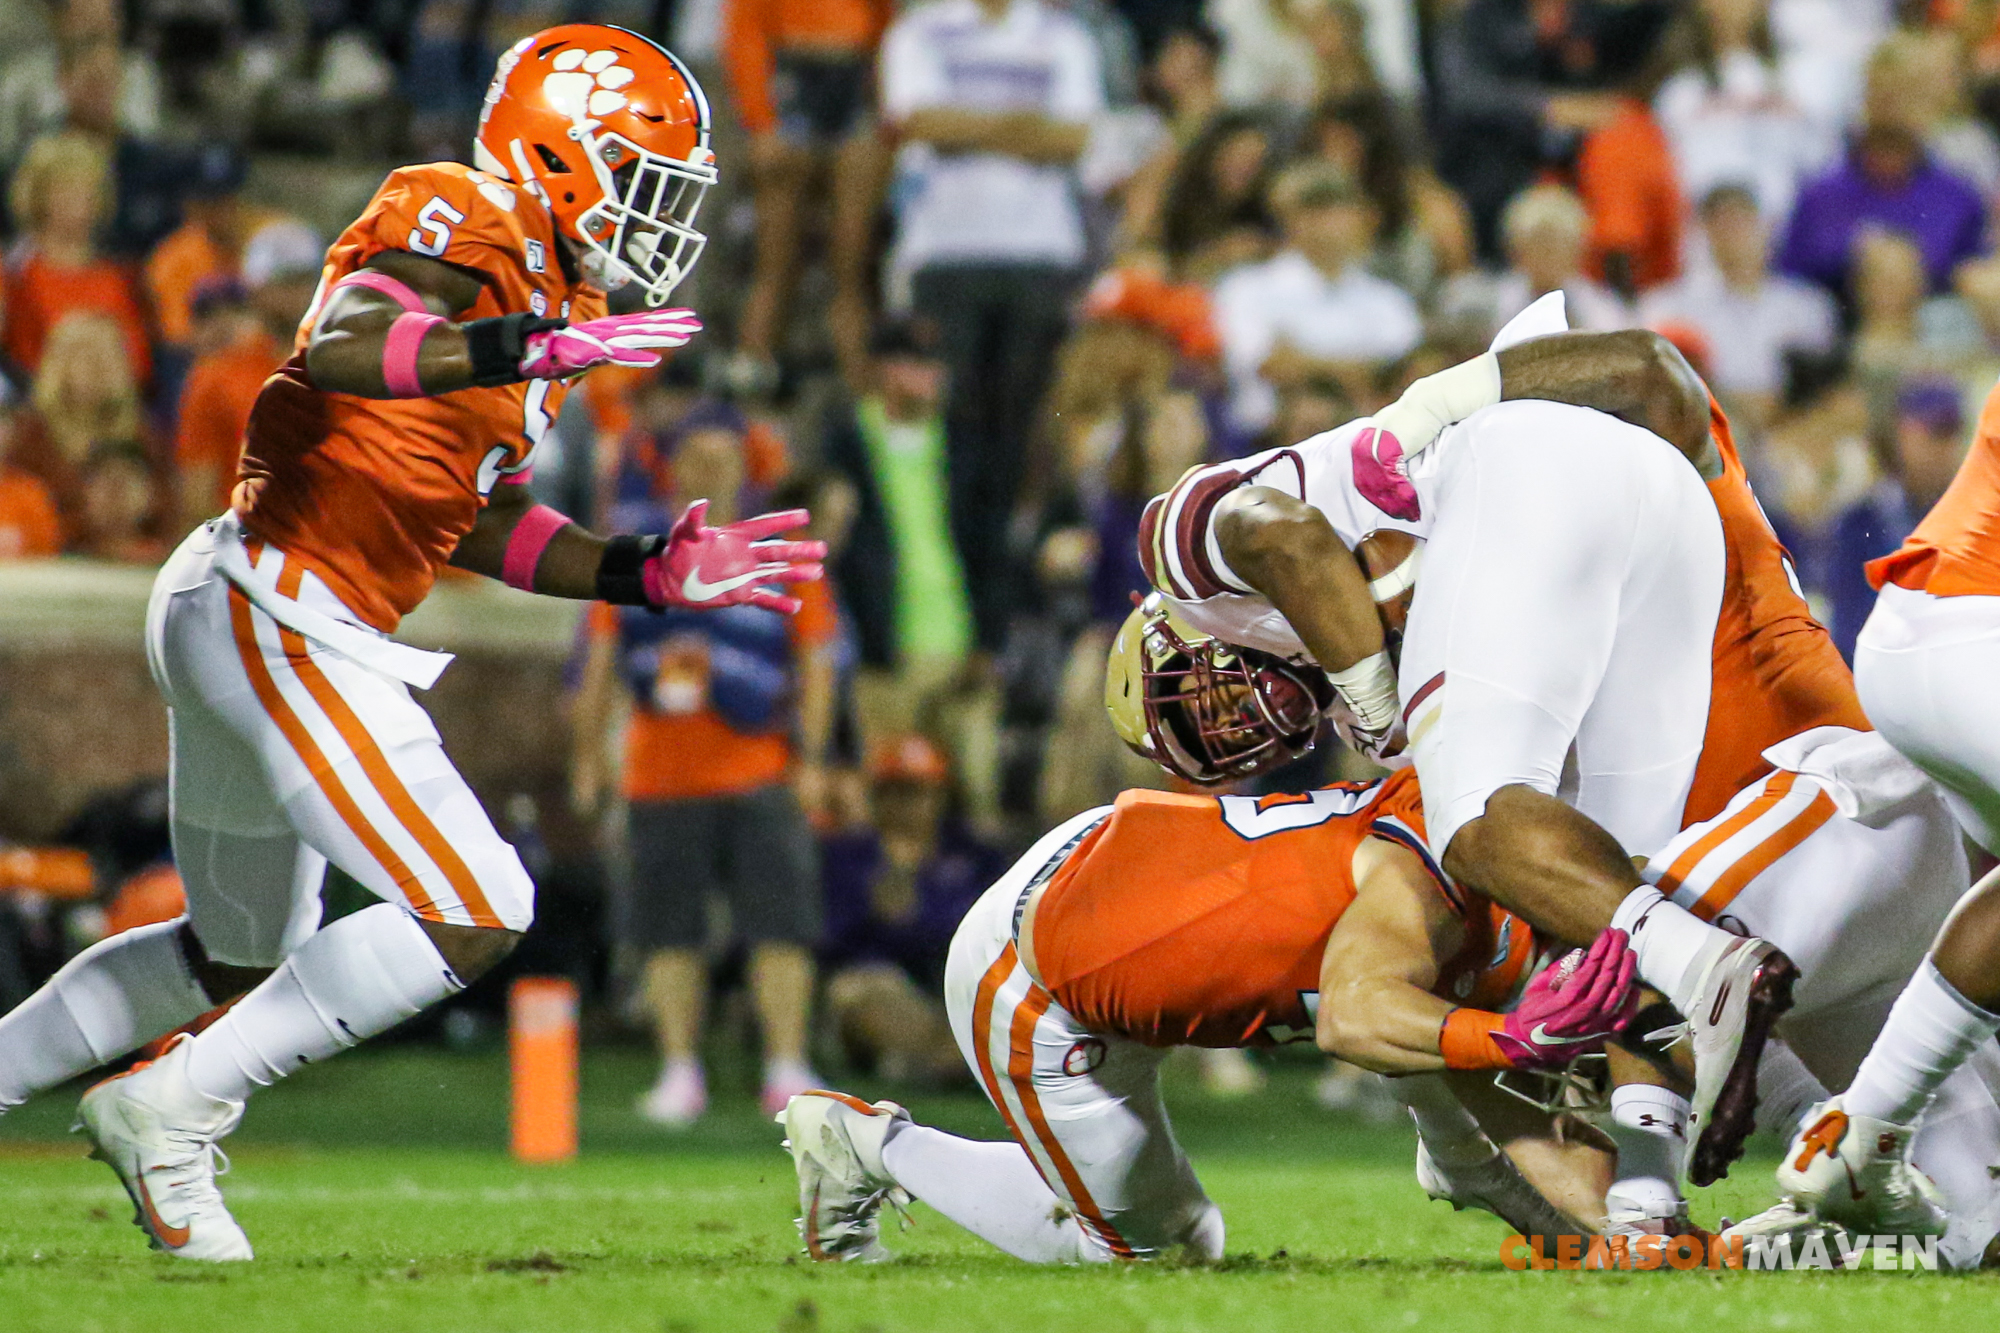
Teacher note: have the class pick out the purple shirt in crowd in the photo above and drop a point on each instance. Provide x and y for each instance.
(960, 869)
(1938, 210)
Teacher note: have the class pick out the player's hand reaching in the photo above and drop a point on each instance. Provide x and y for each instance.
(703, 567)
(615, 340)
(1573, 1005)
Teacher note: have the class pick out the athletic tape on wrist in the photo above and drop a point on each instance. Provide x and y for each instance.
(399, 353)
(399, 292)
(1369, 688)
(1466, 1040)
(531, 536)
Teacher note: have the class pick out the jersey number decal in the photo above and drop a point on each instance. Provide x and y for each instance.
(535, 423)
(1249, 819)
(433, 230)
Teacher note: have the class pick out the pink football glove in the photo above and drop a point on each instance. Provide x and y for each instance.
(617, 340)
(1573, 1005)
(704, 567)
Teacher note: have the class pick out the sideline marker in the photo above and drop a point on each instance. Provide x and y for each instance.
(541, 1022)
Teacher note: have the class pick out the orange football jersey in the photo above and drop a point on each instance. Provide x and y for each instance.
(373, 495)
(1202, 921)
(1775, 670)
(1955, 551)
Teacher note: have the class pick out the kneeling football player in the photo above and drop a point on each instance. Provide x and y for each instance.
(1169, 920)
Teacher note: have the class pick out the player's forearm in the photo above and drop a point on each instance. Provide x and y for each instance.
(1381, 1023)
(566, 566)
(350, 358)
(1288, 552)
(1632, 374)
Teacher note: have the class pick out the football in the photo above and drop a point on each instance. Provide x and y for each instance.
(1389, 559)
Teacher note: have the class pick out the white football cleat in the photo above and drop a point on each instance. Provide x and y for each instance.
(836, 1143)
(1855, 1170)
(158, 1132)
(1496, 1187)
(1744, 989)
(1632, 1218)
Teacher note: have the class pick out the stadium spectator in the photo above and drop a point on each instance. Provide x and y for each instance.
(1215, 213)
(280, 266)
(992, 101)
(1131, 430)
(84, 406)
(1746, 314)
(1547, 232)
(802, 72)
(1817, 459)
(1180, 81)
(208, 244)
(1917, 77)
(59, 197)
(1887, 179)
(1520, 83)
(895, 891)
(78, 59)
(1729, 114)
(120, 506)
(29, 527)
(1899, 328)
(827, 775)
(904, 576)
(146, 176)
(709, 699)
(1923, 449)
(1423, 231)
(1625, 177)
(1312, 309)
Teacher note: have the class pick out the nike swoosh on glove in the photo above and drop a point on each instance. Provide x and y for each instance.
(615, 340)
(1574, 1005)
(704, 567)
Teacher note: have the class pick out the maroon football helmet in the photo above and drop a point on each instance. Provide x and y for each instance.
(1206, 710)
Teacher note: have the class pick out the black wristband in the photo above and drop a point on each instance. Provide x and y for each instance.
(497, 345)
(621, 573)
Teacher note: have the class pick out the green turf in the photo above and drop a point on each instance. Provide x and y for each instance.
(379, 1200)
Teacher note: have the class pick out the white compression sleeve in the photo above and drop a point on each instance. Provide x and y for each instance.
(361, 975)
(990, 1189)
(116, 995)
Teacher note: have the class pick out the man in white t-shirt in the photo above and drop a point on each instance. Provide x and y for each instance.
(1749, 316)
(1312, 309)
(992, 102)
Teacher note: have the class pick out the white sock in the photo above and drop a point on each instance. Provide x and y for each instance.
(116, 995)
(359, 976)
(1451, 1134)
(1930, 1032)
(990, 1189)
(1649, 1125)
(1672, 943)
(1786, 1090)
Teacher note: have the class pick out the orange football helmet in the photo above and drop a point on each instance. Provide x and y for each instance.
(610, 130)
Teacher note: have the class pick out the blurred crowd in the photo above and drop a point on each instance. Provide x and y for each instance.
(987, 274)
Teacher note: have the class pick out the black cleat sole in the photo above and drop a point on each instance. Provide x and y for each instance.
(1721, 1140)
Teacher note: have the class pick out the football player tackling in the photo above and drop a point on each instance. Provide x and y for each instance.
(396, 440)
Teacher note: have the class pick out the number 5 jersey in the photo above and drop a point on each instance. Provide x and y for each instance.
(373, 495)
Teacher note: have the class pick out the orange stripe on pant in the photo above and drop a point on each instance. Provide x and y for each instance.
(387, 785)
(1776, 788)
(982, 1034)
(315, 759)
(1761, 857)
(1021, 1071)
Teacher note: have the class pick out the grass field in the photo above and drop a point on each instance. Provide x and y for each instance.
(379, 1199)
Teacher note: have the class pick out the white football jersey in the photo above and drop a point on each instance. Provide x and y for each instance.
(1336, 472)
